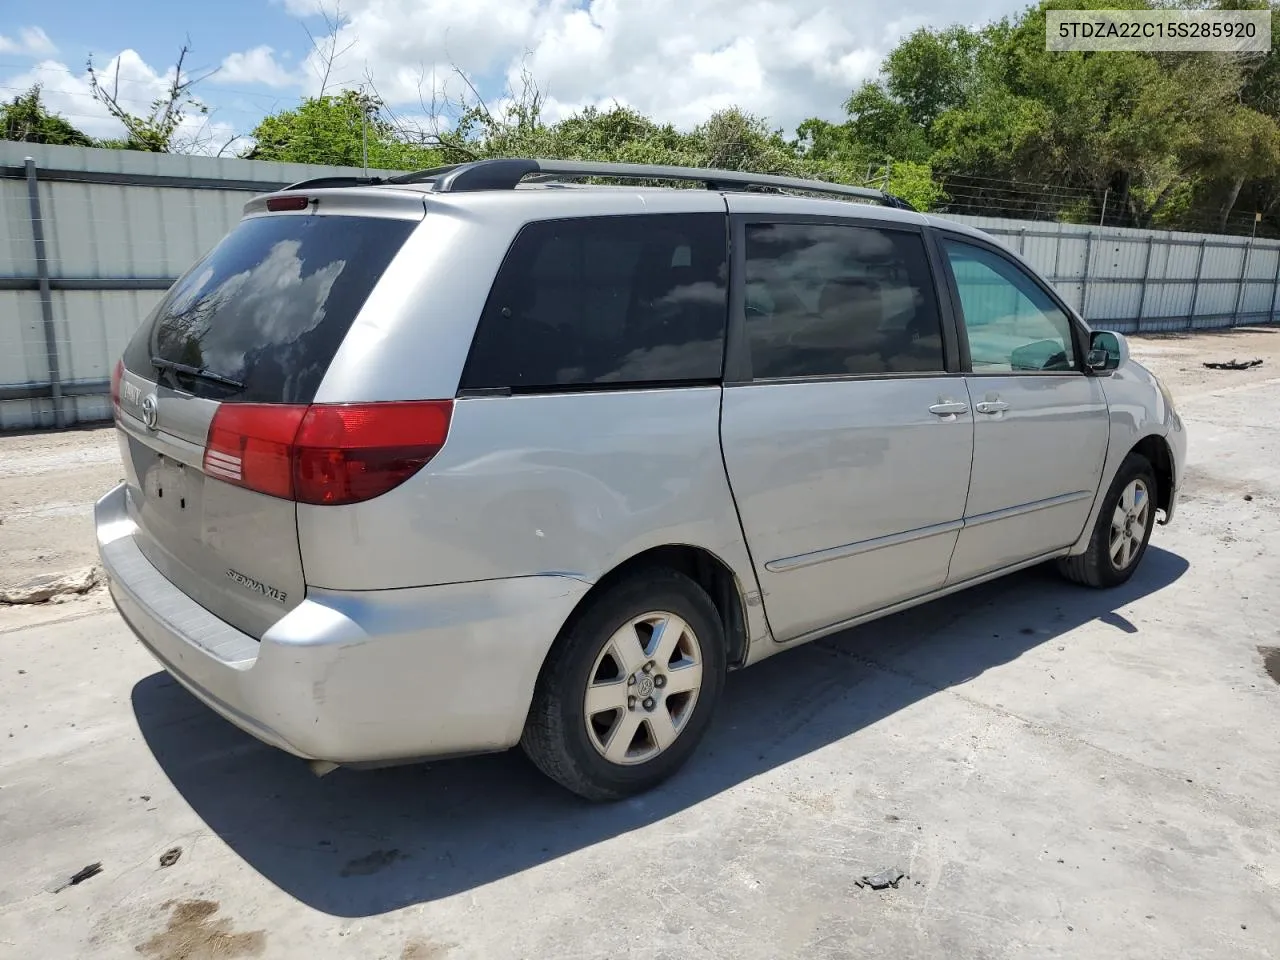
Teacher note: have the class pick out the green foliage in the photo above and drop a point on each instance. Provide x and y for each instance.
(884, 124)
(24, 118)
(336, 129)
(914, 183)
(1009, 127)
(931, 72)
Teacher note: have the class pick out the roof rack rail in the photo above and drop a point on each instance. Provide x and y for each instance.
(506, 174)
(317, 183)
(418, 176)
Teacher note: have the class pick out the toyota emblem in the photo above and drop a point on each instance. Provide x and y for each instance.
(150, 411)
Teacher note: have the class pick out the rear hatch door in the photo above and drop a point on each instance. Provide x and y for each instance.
(255, 322)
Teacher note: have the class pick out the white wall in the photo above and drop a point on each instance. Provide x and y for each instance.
(149, 232)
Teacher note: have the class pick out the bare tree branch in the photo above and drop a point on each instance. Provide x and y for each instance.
(328, 54)
(153, 131)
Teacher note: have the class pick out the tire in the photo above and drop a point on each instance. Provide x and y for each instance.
(1101, 566)
(588, 755)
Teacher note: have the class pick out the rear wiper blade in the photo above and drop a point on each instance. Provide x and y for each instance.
(173, 366)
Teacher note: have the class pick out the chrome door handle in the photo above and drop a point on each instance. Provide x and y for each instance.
(992, 406)
(949, 408)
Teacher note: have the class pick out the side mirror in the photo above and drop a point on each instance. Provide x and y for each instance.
(1107, 351)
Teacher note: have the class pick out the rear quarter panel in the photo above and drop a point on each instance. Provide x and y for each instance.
(569, 484)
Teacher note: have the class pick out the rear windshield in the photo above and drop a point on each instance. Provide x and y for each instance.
(265, 311)
(606, 301)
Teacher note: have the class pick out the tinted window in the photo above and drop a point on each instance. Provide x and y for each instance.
(827, 300)
(606, 300)
(1011, 323)
(269, 305)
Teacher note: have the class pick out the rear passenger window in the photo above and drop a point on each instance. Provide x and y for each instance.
(829, 300)
(606, 300)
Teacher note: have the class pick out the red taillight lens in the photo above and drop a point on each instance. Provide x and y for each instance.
(251, 444)
(325, 453)
(116, 376)
(353, 452)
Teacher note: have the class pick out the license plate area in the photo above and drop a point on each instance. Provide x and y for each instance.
(170, 489)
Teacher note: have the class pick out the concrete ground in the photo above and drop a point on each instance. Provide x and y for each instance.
(1060, 772)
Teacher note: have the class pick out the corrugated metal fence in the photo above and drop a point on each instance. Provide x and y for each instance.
(1149, 281)
(90, 239)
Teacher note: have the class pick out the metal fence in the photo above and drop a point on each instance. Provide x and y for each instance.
(90, 239)
(1150, 281)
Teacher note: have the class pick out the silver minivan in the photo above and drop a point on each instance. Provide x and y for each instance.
(487, 455)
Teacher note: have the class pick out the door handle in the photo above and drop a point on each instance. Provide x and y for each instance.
(949, 408)
(992, 406)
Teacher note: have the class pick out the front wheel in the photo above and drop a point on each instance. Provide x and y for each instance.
(628, 691)
(1122, 530)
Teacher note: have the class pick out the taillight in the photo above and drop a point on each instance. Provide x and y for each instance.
(352, 452)
(325, 453)
(116, 376)
(251, 444)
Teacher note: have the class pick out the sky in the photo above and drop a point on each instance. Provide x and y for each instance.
(675, 60)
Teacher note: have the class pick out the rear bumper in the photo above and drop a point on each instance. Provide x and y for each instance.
(360, 677)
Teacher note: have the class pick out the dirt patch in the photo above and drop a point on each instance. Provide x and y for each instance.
(1178, 358)
(193, 934)
(48, 485)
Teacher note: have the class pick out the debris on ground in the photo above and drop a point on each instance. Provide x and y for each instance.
(50, 585)
(80, 876)
(882, 880)
(1234, 364)
(170, 856)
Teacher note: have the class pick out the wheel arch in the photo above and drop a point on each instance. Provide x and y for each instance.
(700, 565)
(1155, 447)
(1157, 450)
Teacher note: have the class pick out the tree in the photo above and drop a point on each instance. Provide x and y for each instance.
(881, 122)
(156, 130)
(25, 118)
(931, 72)
(338, 129)
(733, 139)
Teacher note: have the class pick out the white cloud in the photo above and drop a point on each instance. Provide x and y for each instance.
(135, 84)
(258, 65)
(676, 60)
(32, 42)
(304, 8)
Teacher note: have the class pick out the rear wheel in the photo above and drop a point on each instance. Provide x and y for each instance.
(628, 691)
(1122, 530)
